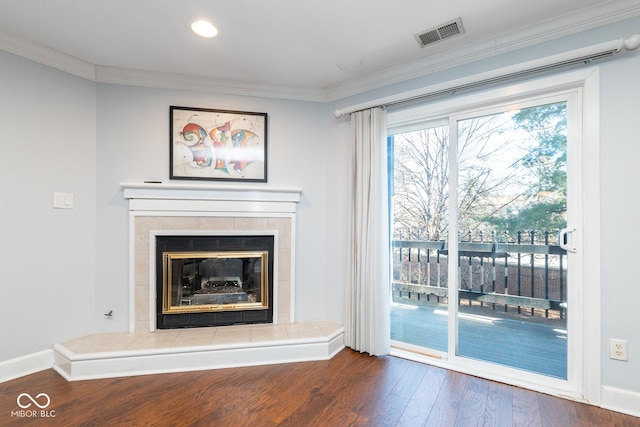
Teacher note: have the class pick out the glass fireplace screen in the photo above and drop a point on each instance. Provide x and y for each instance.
(214, 281)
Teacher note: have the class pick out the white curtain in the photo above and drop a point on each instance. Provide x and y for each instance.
(367, 322)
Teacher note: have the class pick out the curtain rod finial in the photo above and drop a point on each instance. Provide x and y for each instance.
(632, 42)
(338, 113)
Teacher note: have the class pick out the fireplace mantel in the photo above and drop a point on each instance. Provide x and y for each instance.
(207, 209)
(167, 196)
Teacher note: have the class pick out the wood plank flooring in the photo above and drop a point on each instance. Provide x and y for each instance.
(352, 389)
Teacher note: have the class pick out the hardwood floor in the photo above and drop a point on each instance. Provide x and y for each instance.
(352, 389)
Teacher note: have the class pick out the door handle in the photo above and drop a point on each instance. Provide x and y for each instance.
(565, 239)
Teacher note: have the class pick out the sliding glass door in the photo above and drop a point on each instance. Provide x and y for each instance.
(482, 201)
(420, 209)
(511, 207)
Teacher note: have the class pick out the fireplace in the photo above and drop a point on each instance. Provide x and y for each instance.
(213, 212)
(157, 210)
(184, 210)
(209, 280)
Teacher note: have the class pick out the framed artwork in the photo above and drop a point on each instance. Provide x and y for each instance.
(208, 144)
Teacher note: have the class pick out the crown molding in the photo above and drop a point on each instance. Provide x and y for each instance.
(567, 25)
(130, 77)
(570, 24)
(47, 56)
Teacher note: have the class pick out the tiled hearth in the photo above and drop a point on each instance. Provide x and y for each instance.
(177, 350)
(161, 209)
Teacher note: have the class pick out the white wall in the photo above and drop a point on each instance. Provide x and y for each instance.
(337, 193)
(620, 197)
(620, 173)
(133, 146)
(50, 142)
(47, 128)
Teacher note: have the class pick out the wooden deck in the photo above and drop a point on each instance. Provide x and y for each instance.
(534, 347)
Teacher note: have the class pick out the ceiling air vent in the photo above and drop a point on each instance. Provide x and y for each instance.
(440, 33)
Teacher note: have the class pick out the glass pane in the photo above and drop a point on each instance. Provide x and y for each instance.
(512, 197)
(214, 281)
(420, 213)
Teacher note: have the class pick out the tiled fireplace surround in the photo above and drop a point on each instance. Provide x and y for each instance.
(196, 209)
(144, 291)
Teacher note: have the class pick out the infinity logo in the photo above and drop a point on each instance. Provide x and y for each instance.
(20, 399)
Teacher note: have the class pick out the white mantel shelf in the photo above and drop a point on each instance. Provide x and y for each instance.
(146, 196)
(147, 190)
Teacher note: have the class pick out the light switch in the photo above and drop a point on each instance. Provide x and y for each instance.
(63, 200)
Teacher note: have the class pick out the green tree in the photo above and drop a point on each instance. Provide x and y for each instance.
(547, 161)
(511, 175)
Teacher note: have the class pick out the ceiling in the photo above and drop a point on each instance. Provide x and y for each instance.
(318, 50)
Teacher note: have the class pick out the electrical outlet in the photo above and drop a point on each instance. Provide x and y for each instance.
(618, 349)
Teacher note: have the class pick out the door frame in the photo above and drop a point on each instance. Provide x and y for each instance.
(575, 351)
(585, 383)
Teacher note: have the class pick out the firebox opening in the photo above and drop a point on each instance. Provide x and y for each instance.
(213, 280)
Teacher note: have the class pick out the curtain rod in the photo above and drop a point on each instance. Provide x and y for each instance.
(582, 55)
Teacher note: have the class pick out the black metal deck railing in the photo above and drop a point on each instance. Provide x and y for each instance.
(526, 274)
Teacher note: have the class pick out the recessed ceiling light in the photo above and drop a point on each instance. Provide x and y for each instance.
(204, 29)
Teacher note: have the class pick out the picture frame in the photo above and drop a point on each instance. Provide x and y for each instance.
(212, 144)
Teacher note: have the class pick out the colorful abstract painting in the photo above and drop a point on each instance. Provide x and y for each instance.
(218, 144)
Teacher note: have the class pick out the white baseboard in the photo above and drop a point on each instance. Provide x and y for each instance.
(25, 365)
(620, 400)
